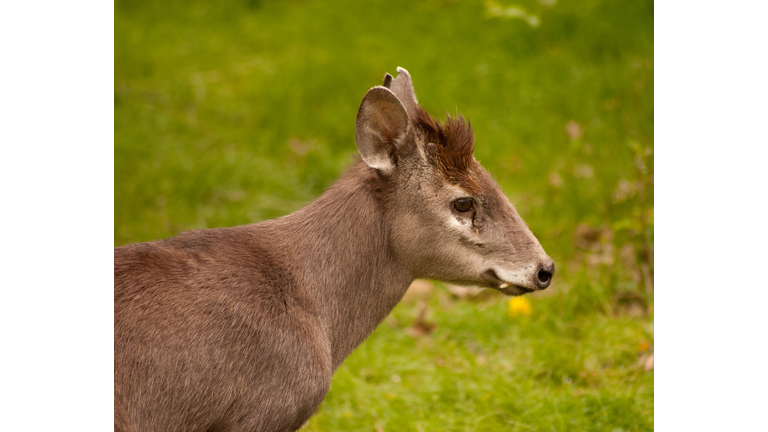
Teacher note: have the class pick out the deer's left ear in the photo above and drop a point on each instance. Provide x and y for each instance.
(381, 129)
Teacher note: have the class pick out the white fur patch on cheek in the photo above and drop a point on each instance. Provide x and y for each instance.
(456, 223)
(521, 277)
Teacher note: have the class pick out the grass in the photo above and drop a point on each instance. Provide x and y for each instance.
(234, 112)
(483, 370)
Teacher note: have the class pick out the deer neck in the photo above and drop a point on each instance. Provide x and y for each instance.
(345, 261)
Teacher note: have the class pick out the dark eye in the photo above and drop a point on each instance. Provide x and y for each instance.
(463, 204)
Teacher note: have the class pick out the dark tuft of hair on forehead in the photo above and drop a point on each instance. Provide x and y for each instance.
(450, 147)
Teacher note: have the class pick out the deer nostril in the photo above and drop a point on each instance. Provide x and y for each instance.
(544, 276)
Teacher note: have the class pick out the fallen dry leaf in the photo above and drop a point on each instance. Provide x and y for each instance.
(574, 130)
(644, 345)
(624, 191)
(391, 321)
(585, 235)
(419, 289)
(445, 300)
(648, 364)
(555, 180)
(628, 303)
(464, 292)
(301, 148)
(597, 242)
(583, 171)
(420, 326)
(627, 255)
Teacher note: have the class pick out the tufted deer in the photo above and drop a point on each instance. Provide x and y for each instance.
(241, 329)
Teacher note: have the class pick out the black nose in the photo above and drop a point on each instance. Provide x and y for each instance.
(544, 276)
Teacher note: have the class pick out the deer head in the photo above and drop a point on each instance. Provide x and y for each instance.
(447, 218)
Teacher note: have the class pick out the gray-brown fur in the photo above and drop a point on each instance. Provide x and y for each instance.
(387, 80)
(241, 329)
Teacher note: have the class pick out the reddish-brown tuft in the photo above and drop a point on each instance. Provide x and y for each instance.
(450, 147)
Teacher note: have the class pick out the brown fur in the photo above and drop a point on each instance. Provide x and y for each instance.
(241, 329)
(451, 148)
(218, 330)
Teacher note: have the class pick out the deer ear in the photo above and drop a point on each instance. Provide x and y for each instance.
(381, 129)
(402, 87)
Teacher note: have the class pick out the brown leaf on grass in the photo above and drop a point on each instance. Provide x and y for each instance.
(555, 180)
(596, 242)
(445, 300)
(583, 171)
(605, 257)
(648, 363)
(421, 327)
(624, 190)
(301, 148)
(419, 289)
(463, 292)
(391, 321)
(629, 303)
(591, 378)
(574, 130)
(584, 235)
(469, 293)
(627, 255)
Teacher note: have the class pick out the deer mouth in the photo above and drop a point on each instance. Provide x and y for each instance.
(493, 281)
(514, 290)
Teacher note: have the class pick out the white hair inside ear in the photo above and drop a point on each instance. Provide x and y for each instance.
(381, 128)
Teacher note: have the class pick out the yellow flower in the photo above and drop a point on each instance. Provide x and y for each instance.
(518, 306)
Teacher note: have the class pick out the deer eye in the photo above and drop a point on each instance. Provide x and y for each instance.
(463, 204)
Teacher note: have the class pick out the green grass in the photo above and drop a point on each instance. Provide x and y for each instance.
(234, 112)
(483, 370)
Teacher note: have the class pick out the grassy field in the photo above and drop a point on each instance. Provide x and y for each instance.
(238, 111)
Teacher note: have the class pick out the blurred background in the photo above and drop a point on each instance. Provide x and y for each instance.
(236, 111)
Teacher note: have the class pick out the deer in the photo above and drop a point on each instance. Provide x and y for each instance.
(242, 328)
